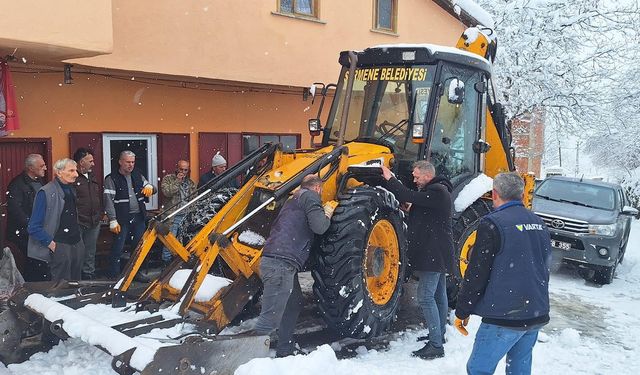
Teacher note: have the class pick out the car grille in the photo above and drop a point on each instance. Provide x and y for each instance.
(564, 224)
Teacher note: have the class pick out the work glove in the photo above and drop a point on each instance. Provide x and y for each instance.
(114, 227)
(460, 325)
(147, 190)
(329, 207)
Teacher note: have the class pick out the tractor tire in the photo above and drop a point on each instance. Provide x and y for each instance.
(464, 237)
(202, 212)
(360, 263)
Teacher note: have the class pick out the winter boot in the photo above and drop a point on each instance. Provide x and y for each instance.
(429, 352)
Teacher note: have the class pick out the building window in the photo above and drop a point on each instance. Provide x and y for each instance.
(305, 8)
(385, 15)
(145, 146)
(251, 142)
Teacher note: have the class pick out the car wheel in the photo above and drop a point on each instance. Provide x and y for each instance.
(586, 273)
(623, 249)
(604, 275)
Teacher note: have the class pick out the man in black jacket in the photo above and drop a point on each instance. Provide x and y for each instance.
(284, 254)
(430, 246)
(507, 282)
(21, 193)
(90, 211)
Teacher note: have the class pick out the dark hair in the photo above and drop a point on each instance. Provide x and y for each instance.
(310, 181)
(81, 153)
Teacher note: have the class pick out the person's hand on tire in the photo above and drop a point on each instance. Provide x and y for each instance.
(329, 207)
(114, 227)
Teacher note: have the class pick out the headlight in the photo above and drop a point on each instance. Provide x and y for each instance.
(603, 229)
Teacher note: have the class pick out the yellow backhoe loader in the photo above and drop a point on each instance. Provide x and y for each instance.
(391, 105)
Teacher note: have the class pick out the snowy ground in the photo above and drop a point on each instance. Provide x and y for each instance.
(593, 330)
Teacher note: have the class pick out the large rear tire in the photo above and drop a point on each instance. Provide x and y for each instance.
(361, 262)
(465, 229)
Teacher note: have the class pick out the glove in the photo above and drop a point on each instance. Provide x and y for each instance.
(147, 190)
(114, 227)
(460, 325)
(329, 207)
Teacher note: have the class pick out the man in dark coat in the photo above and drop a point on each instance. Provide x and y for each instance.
(507, 282)
(284, 254)
(90, 211)
(218, 167)
(430, 246)
(21, 193)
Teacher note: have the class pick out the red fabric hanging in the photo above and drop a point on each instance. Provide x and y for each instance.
(8, 109)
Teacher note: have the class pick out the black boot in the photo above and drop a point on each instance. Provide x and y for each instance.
(429, 352)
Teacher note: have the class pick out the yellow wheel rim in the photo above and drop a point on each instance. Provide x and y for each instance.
(465, 252)
(382, 262)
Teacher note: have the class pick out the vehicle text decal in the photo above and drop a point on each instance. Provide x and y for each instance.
(391, 74)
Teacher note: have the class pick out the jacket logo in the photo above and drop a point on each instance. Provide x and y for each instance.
(522, 227)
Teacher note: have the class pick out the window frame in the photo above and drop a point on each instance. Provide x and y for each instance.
(152, 155)
(298, 137)
(315, 10)
(394, 18)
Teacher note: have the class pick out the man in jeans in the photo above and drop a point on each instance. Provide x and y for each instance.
(284, 254)
(507, 282)
(430, 246)
(177, 187)
(89, 202)
(125, 193)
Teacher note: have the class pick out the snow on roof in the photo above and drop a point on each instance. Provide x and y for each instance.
(474, 10)
(474, 190)
(433, 48)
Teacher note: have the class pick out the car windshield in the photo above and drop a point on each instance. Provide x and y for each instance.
(582, 194)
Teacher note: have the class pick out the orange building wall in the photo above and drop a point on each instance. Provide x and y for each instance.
(97, 103)
(244, 41)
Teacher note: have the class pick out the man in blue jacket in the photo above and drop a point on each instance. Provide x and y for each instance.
(284, 254)
(506, 282)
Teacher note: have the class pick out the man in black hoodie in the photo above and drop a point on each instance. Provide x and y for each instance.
(430, 246)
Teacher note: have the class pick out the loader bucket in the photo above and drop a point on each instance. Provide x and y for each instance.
(198, 355)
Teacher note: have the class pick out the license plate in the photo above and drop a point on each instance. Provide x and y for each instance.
(561, 245)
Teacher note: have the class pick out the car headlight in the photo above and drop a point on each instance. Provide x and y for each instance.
(603, 229)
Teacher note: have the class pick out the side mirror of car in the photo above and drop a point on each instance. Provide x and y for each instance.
(628, 210)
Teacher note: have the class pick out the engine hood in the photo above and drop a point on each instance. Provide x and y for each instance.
(572, 211)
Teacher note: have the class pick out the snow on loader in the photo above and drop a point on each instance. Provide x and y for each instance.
(392, 105)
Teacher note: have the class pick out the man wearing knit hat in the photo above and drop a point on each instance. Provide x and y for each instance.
(218, 166)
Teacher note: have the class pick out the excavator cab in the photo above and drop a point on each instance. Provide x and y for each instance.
(421, 101)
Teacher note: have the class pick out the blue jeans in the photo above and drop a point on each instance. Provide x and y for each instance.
(132, 229)
(493, 342)
(432, 299)
(166, 253)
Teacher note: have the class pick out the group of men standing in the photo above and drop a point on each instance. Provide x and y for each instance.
(56, 225)
(506, 282)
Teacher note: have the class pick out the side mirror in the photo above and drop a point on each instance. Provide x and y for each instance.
(481, 147)
(456, 91)
(315, 127)
(480, 87)
(628, 210)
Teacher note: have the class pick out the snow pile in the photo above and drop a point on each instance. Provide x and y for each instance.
(210, 286)
(91, 331)
(474, 11)
(474, 190)
(251, 238)
(316, 362)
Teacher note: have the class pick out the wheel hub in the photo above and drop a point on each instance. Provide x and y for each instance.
(375, 262)
(382, 262)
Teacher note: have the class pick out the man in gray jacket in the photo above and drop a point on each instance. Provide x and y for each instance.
(284, 254)
(54, 232)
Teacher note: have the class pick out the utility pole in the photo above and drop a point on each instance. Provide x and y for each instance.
(577, 158)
